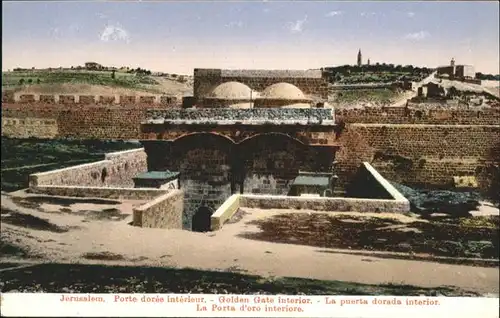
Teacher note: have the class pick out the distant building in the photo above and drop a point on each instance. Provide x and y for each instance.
(360, 59)
(93, 66)
(457, 72)
(368, 62)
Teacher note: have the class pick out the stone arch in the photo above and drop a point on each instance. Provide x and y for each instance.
(201, 219)
(203, 134)
(271, 134)
(204, 161)
(270, 161)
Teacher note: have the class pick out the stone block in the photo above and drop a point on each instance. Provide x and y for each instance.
(127, 100)
(147, 99)
(86, 99)
(108, 100)
(27, 98)
(47, 99)
(66, 99)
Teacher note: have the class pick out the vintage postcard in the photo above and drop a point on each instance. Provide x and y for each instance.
(250, 159)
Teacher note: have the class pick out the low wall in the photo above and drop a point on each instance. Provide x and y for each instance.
(395, 202)
(163, 212)
(231, 206)
(324, 204)
(117, 170)
(368, 183)
(225, 212)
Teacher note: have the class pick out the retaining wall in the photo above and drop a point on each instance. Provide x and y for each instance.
(116, 170)
(394, 202)
(163, 212)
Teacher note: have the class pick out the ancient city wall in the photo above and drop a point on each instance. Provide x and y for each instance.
(81, 100)
(116, 170)
(24, 120)
(421, 154)
(89, 122)
(441, 143)
(408, 115)
(309, 82)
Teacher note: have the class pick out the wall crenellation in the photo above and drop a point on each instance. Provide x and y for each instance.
(65, 99)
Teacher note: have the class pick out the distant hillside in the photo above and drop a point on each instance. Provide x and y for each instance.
(376, 73)
(487, 77)
(68, 81)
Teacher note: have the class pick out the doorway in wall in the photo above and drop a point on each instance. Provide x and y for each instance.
(201, 219)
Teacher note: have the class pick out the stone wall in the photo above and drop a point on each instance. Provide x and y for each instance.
(27, 127)
(440, 143)
(320, 204)
(204, 163)
(116, 170)
(82, 100)
(368, 183)
(416, 115)
(422, 154)
(275, 116)
(309, 82)
(324, 204)
(163, 212)
(225, 212)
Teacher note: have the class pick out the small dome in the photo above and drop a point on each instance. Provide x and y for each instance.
(284, 91)
(231, 90)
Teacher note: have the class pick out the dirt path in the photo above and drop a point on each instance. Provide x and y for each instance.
(226, 250)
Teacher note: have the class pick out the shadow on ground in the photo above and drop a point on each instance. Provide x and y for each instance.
(455, 237)
(30, 222)
(56, 278)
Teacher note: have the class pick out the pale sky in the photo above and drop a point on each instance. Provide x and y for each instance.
(178, 36)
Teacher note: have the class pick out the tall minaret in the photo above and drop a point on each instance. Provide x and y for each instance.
(360, 61)
(368, 62)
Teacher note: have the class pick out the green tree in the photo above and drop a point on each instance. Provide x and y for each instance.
(21, 81)
(113, 76)
(30, 81)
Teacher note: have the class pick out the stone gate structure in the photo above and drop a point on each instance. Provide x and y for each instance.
(220, 152)
(242, 138)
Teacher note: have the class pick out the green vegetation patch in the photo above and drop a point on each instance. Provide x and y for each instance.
(103, 78)
(384, 95)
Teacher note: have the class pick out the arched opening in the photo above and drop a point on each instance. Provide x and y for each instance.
(201, 220)
(104, 174)
(270, 161)
(204, 163)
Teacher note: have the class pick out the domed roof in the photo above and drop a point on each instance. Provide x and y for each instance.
(283, 91)
(231, 90)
